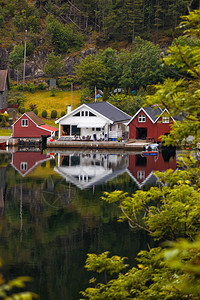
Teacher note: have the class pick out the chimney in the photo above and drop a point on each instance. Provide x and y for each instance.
(69, 109)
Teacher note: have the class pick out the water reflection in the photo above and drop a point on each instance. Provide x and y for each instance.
(142, 169)
(26, 161)
(52, 215)
(87, 170)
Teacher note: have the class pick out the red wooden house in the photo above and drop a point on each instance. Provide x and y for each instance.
(26, 162)
(29, 125)
(142, 169)
(150, 123)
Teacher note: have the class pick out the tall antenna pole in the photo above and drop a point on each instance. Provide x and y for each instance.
(24, 58)
(71, 95)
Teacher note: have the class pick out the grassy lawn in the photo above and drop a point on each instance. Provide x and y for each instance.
(45, 101)
(5, 132)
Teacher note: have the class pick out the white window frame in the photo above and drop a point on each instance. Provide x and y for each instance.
(140, 174)
(24, 123)
(141, 118)
(165, 119)
(23, 166)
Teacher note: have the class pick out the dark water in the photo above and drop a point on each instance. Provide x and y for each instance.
(52, 215)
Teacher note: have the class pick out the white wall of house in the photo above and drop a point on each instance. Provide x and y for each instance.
(90, 124)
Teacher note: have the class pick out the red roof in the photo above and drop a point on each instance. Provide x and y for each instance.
(48, 127)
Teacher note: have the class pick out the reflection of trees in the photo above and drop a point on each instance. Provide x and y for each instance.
(60, 224)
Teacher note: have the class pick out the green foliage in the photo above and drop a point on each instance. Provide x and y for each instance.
(16, 56)
(32, 106)
(53, 114)
(181, 97)
(62, 36)
(129, 104)
(62, 113)
(160, 274)
(44, 114)
(133, 68)
(171, 209)
(54, 66)
(6, 288)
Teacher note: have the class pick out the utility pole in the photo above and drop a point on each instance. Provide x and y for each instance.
(24, 58)
(71, 95)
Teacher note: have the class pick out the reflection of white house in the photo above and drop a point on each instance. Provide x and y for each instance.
(94, 121)
(86, 170)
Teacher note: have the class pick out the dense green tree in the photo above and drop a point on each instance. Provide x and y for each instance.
(54, 66)
(62, 36)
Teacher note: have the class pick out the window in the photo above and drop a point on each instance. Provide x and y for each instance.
(25, 123)
(91, 114)
(110, 127)
(86, 113)
(93, 129)
(142, 118)
(119, 126)
(23, 166)
(165, 119)
(77, 114)
(98, 129)
(82, 113)
(140, 175)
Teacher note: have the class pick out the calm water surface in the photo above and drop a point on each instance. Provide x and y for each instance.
(52, 215)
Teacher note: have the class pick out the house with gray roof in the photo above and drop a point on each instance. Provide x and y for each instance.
(4, 87)
(94, 121)
(150, 123)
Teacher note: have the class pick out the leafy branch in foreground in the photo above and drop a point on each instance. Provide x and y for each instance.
(6, 289)
(172, 273)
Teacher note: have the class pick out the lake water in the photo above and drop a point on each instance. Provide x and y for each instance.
(52, 214)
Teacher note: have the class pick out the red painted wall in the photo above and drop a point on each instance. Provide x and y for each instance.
(31, 131)
(134, 124)
(154, 131)
(153, 163)
(31, 158)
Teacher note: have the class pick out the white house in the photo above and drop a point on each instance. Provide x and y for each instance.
(94, 121)
(90, 169)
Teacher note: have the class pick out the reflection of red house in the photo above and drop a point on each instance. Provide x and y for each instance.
(141, 169)
(150, 123)
(31, 126)
(25, 162)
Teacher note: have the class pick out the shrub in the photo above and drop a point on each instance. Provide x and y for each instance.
(53, 114)
(21, 109)
(62, 113)
(4, 123)
(35, 111)
(30, 87)
(41, 86)
(6, 116)
(44, 114)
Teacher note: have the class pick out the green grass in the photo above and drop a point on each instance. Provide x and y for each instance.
(5, 132)
(45, 101)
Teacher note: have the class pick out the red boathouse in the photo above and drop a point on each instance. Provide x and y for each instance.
(29, 125)
(150, 123)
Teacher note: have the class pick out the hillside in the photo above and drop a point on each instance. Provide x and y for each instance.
(75, 28)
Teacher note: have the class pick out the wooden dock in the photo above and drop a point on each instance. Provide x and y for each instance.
(125, 146)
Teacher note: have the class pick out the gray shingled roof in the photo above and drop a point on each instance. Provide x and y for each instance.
(109, 111)
(3, 78)
(153, 112)
(35, 118)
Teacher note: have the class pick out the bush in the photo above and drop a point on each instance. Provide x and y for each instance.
(4, 123)
(53, 114)
(35, 111)
(21, 109)
(41, 86)
(30, 87)
(44, 114)
(6, 116)
(62, 113)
